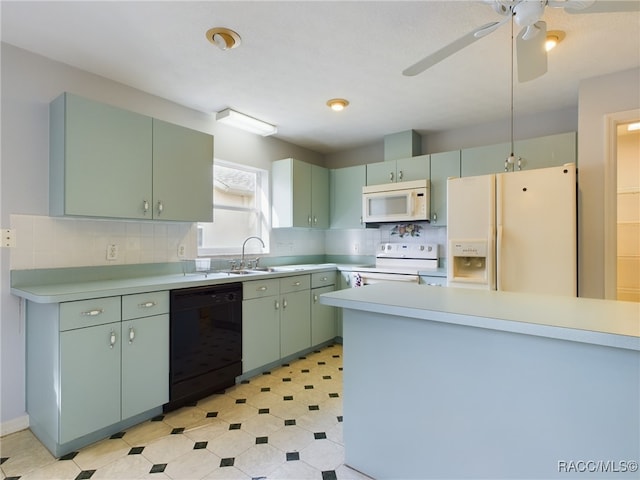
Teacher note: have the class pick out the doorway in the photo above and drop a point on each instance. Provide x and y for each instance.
(628, 212)
(622, 207)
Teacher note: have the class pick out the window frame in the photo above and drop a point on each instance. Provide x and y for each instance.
(262, 210)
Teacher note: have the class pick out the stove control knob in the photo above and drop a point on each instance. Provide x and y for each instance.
(430, 248)
(421, 247)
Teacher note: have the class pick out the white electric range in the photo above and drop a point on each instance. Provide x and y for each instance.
(397, 262)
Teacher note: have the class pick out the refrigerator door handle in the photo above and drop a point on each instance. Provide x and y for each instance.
(499, 283)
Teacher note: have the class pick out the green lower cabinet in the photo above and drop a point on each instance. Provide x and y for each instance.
(89, 380)
(145, 364)
(91, 373)
(323, 317)
(295, 322)
(260, 332)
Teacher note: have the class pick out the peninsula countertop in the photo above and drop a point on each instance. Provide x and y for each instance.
(600, 322)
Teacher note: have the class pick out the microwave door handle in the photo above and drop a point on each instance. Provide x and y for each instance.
(412, 202)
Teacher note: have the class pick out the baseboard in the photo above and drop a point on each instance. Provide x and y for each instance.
(15, 425)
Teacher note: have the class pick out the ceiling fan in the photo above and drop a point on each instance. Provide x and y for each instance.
(532, 56)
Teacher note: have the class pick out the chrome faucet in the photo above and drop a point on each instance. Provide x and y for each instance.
(242, 264)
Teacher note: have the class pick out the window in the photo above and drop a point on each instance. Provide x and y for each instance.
(240, 209)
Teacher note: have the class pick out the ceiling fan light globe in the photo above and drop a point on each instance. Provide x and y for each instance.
(528, 12)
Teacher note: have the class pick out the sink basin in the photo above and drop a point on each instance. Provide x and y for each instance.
(239, 272)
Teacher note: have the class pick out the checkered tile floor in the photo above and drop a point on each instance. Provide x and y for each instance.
(285, 424)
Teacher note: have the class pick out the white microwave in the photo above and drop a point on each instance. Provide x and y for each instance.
(396, 202)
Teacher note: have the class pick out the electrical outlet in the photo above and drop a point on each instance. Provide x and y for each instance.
(8, 237)
(182, 251)
(112, 252)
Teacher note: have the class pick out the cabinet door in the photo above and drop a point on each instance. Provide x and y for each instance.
(346, 196)
(549, 151)
(320, 196)
(484, 160)
(381, 172)
(182, 173)
(295, 322)
(100, 159)
(443, 166)
(145, 364)
(291, 193)
(260, 332)
(89, 397)
(323, 317)
(412, 168)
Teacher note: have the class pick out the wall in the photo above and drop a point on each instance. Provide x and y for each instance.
(29, 83)
(597, 97)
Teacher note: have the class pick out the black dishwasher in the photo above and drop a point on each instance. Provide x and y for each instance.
(205, 341)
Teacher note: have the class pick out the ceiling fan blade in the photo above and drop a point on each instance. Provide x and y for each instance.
(532, 56)
(448, 50)
(597, 6)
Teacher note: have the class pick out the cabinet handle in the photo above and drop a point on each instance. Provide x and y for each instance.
(145, 207)
(361, 220)
(296, 284)
(391, 176)
(324, 279)
(434, 217)
(277, 305)
(147, 304)
(261, 289)
(400, 175)
(93, 313)
(315, 220)
(132, 335)
(309, 219)
(112, 339)
(160, 207)
(315, 298)
(284, 303)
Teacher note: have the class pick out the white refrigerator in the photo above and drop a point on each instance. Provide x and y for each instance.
(514, 231)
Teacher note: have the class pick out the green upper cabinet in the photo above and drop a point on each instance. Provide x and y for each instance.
(346, 196)
(548, 151)
(443, 166)
(182, 173)
(484, 160)
(402, 170)
(100, 159)
(300, 194)
(109, 162)
(539, 152)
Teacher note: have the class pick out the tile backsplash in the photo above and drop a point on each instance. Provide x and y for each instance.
(57, 242)
(53, 242)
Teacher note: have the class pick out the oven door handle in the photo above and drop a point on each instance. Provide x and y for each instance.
(371, 278)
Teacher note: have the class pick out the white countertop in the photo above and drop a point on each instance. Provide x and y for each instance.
(603, 322)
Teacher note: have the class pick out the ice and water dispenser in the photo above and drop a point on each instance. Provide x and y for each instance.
(469, 263)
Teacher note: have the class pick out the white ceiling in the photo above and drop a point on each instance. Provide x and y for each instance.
(296, 55)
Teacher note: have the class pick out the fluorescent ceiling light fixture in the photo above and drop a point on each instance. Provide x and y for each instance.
(633, 126)
(245, 122)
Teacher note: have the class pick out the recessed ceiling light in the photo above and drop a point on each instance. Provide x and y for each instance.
(554, 37)
(337, 104)
(223, 38)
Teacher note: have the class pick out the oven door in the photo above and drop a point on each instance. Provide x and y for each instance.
(360, 279)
